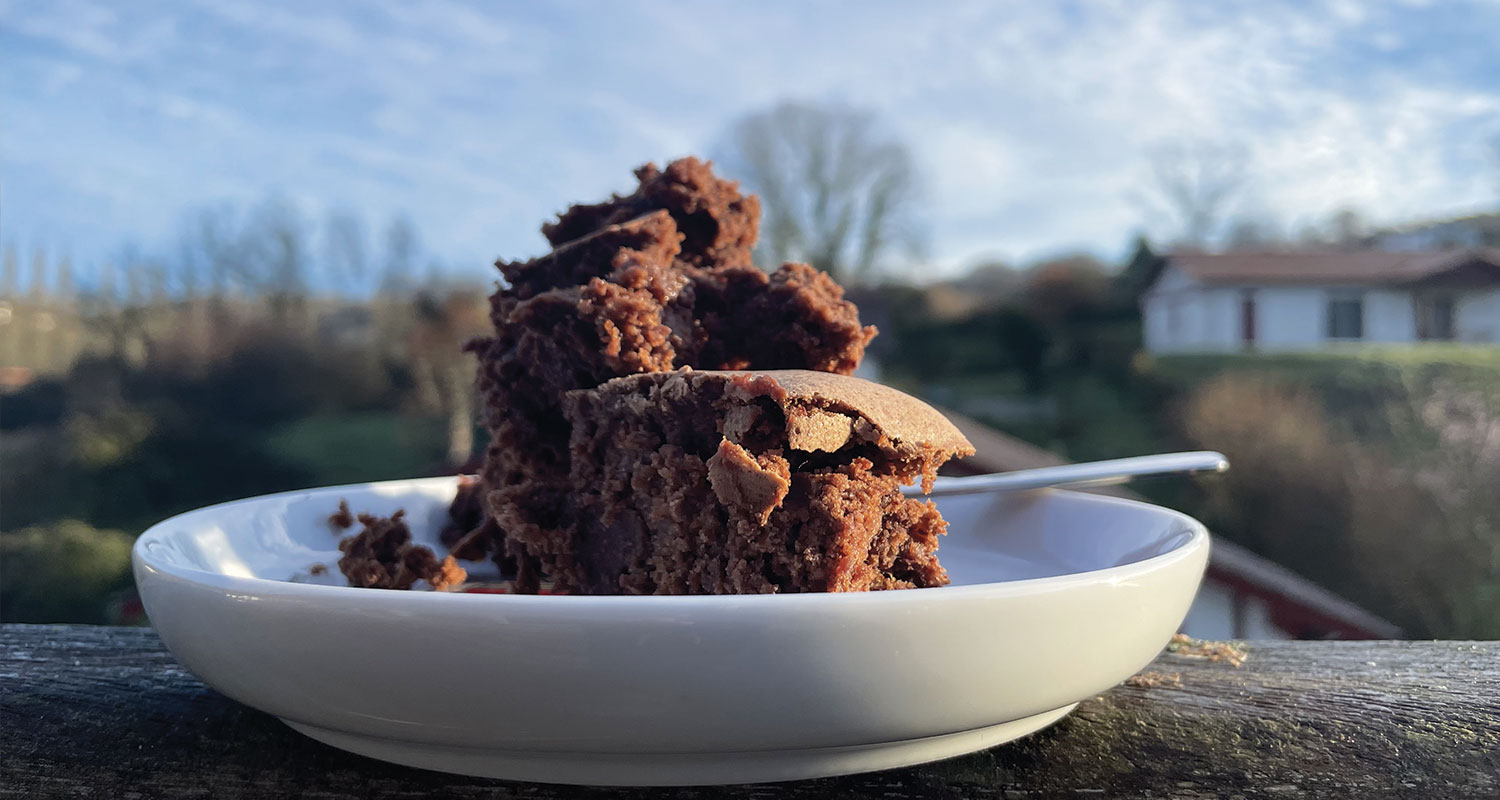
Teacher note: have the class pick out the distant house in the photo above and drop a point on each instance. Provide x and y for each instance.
(1291, 301)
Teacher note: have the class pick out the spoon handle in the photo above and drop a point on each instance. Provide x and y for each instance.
(1092, 473)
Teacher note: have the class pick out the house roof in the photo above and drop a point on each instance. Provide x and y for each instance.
(1351, 268)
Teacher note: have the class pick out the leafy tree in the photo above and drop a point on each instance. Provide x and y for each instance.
(1063, 290)
(1140, 271)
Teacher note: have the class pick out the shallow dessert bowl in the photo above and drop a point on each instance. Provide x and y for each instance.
(1056, 596)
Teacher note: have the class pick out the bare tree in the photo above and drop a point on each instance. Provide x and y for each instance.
(401, 250)
(1251, 233)
(443, 321)
(838, 190)
(40, 272)
(210, 259)
(9, 308)
(190, 269)
(37, 326)
(1344, 229)
(275, 245)
(1347, 228)
(344, 250)
(1495, 157)
(210, 251)
(10, 274)
(115, 319)
(1196, 183)
(66, 308)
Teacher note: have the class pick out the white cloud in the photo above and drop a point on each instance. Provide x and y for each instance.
(93, 31)
(1123, 81)
(450, 20)
(83, 28)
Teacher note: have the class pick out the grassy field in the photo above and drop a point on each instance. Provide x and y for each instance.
(354, 448)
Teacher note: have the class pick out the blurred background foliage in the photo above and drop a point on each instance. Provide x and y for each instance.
(160, 385)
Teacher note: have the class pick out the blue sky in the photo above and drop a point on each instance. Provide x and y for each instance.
(1032, 122)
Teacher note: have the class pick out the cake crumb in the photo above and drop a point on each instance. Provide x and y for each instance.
(342, 519)
(1152, 680)
(450, 575)
(383, 556)
(318, 569)
(1184, 645)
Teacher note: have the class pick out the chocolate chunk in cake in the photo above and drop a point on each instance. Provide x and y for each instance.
(383, 556)
(707, 482)
(647, 282)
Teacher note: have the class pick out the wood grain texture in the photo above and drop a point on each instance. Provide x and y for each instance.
(107, 712)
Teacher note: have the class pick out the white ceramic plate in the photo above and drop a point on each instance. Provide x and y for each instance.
(1055, 597)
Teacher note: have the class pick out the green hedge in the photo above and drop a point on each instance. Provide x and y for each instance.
(1372, 367)
(1373, 394)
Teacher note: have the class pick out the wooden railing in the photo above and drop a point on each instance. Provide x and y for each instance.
(107, 712)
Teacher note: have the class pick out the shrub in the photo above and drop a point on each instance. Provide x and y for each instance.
(38, 482)
(1408, 526)
(262, 377)
(62, 572)
(180, 468)
(985, 343)
(1286, 495)
(38, 403)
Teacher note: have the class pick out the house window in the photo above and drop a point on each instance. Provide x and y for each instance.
(1435, 318)
(1346, 316)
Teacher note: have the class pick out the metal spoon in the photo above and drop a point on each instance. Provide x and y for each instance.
(1092, 473)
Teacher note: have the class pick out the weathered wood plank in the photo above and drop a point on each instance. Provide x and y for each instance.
(107, 712)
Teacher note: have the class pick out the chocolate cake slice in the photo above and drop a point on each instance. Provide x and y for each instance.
(652, 281)
(709, 482)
